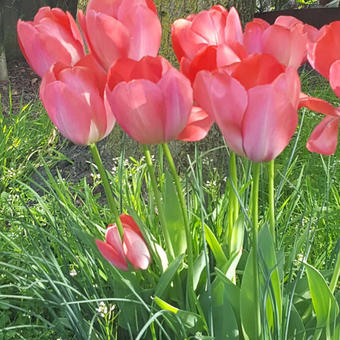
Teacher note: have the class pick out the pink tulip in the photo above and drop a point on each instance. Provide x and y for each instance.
(323, 52)
(286, 39)
(121, 29)
(52, 37)
(73, 99)
(254, 104)
(198, 126)
(132, 249)
(197, 38)
(324, 138)
(150, 99)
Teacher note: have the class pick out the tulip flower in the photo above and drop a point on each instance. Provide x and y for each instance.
(52, 36)
(73, 99)
(324, 138)
(197, 38)
(286, 39)
(323, 52)
(254, 104)
(121, 29)
(133, 247)
(150, 99)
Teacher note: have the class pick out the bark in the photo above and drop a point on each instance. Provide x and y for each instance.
(3, 64)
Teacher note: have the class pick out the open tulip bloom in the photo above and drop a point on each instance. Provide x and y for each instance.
(133, 247)
(121, 29)
(52, 37)
(150, 99)
(254, 103)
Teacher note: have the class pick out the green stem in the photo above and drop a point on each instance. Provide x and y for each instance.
(162, 219)
(271, 173)
(110, 199)
(233, 209)
(336, 274)
(190, 284)
(255, 227)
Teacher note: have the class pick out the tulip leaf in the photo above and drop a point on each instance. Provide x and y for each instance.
(174, 217)
(325, 306)
(248, 305)
(224, 297)
(271, 279)
(199, 266)
(221, 259)
(190, 320)
(168, 275)
(296, 328)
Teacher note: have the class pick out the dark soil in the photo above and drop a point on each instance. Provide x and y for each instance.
(23, 86)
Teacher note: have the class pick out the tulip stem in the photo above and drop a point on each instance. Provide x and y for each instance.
(107, 189)
(190, 281)
(271, 173)
(255, 227)
(233, 206)
(165, 230)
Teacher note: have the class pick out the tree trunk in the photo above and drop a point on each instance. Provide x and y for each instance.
(3, 64)
(169, 11)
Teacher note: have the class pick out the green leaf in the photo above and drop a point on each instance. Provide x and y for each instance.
(174, 217)
(224, 296)
(199, 266)
(221, 259)
(324, 303)
(248, 305)
(271, 278)
(191, 321)
(168, 275)
(296, 330)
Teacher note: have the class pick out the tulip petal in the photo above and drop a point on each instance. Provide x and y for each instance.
(324, 137)
(253, 33)
(334, 77)
(68, 111)
(233, 29)
(185, 42)
(210, 26)
(117, 259)
(136, 250)
(318, 105)
(257, 69)
(40, 50)
(144, 29)
(139, 110)
(291, 49)
(198, 126)
(326, 50)
(129, 222)
(178, 99)
(225, 100)
(268, 124)
(109, 37)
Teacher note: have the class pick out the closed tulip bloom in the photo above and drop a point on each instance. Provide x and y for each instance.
(150, 99)
(133, 248)
(52, 36)
(286, 39)
(323, 52)
(197, 38)
(121, 29)
(73, 99)
(254, 104)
